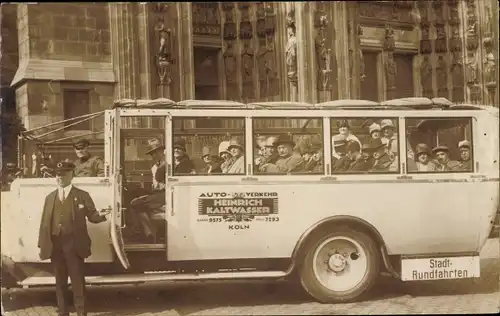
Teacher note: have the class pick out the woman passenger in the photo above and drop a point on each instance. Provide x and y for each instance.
(423, 159)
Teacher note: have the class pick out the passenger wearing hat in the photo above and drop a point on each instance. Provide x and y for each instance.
(342, 163)
(183, 165)
(381, 160)
(359, 157)
(86, 164)
(225, 155)
(374, 130)
(63, 236)
(389, 137)
(269, 153)
(237, 152)
(314, 158)
(344, 129)
(212, 160)
(442, 157)
(423, 157)
(153, 202)
(465, 161)
(288, 161)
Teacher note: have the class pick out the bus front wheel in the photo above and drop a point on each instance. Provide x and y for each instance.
(340, 265)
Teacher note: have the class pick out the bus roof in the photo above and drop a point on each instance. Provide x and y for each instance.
(412, 103)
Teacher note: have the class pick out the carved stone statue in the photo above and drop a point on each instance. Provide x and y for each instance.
(471, 68)
(490, 69)
(230, 63)
(390, 71)
(389, 42)
(291, 49)
(426, 74)
(441, 74)
(457, 73)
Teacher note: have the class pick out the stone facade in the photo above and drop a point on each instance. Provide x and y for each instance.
(263, 51)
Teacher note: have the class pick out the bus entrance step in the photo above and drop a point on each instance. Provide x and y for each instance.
(37, 281)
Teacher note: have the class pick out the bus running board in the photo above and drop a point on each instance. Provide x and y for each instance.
(36, 281)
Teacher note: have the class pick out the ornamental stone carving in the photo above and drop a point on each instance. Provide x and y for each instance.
(291, 48)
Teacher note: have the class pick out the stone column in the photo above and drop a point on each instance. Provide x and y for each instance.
(124, 51)
(306, 63)
(341, 49)
(291, 51)
(185, 50)
(488, 17)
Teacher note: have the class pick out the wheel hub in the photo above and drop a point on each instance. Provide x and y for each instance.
(337, 262)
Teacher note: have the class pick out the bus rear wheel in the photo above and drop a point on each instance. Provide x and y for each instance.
(340, 265)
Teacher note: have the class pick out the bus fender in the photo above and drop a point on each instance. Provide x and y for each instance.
(345, 220)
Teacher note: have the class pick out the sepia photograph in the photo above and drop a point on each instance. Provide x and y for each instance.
(250, 158)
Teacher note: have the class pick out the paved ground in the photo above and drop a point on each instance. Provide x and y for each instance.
(388, 297)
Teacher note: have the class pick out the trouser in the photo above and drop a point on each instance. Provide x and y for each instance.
(66, 263)
(145, 205)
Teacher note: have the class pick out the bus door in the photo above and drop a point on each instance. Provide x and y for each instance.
(113, 142)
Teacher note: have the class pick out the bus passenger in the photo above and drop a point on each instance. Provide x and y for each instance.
(236, 150)
(86, 164)
(424, 163)
(465, 161)
(442, 155)
(314, 158)
(289, 161)
(261, 143)
(345, 129)
(270, 153)
(182, 163)
(381, 160)
(389, 138)
(152, 202)
(360, 157)
(374, 130)
(212, 161)
(340, 164)
(225, 155)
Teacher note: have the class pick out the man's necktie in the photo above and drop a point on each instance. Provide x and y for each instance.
(62, 196)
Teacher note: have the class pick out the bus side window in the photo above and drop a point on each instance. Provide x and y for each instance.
(439, 145)
(365, 145)
(288, 146)
(208, 146)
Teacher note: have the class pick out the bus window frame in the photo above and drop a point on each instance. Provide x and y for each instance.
(321, 119)
(395, 119)
(472, 120)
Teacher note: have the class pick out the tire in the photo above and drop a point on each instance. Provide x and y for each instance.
(318, 263)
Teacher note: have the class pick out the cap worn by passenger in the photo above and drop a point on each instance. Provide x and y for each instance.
(235, 143)
(339, 140)
(285, 139)
(271, 141)
(376, 143)
(386, 123)
(64, 166)
(82, 143)
(180, 143)
(374, 128)
(154, 144)
(260, 141)
(464, 144)
(208, 151)
(422, 149)
(343, 123)
(223, 147)
(440, 149)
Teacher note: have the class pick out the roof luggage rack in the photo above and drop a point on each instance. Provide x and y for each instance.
(285, 105)
(160, 103)
(211, 104)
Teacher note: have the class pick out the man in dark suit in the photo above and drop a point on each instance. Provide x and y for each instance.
(64, 238)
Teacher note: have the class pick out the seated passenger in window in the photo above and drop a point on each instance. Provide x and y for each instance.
(225, 156)
(389, 137)
(182, 163)
(444, 163)
(238, 157)
(314, 158)
(374, 130)
(87, 165)
(359, 156)
(261, 143)
(211, 160)
(344, 129)
(289, 161)
(342, 163)
(153, 202)
(465, 161)
(423, 156)
(381, 160)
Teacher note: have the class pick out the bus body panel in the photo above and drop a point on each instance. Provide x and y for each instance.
(21, 221)
(412, 217)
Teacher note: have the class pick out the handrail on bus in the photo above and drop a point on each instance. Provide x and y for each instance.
(63, 121)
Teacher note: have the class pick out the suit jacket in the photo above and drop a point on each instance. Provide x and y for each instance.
(83, 207)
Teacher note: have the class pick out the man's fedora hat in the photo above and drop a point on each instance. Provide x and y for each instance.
(154, 144)
(64, 166)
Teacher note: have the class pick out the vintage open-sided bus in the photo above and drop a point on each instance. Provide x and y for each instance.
(336, 228)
